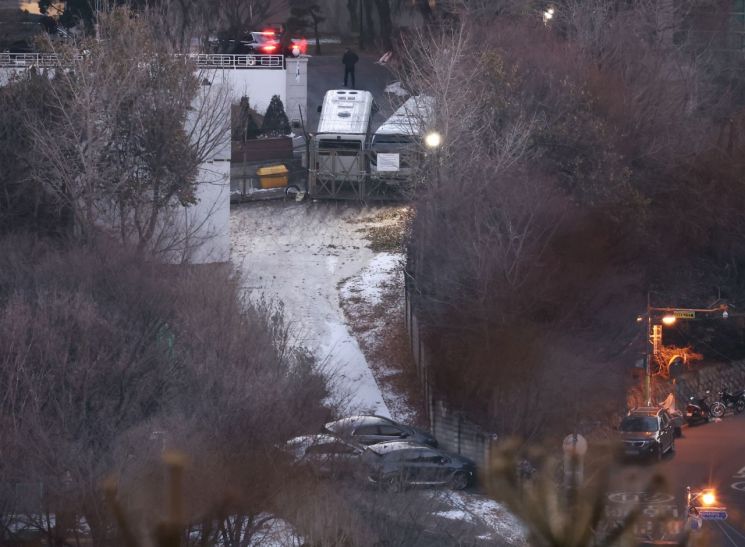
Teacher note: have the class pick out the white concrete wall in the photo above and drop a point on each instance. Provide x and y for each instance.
(258, 84)
(203, 230)
(206, 225)
(297, 90)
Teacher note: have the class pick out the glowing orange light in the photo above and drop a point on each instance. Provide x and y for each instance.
(668, 320)
(709, 498)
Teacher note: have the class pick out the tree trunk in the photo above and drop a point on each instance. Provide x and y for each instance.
(369, 22)
(315, 32)
(352, 9)
(386, 26)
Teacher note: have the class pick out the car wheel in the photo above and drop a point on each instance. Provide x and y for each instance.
(678, 432)
(659, 453)
(672, 445)
(459, 480)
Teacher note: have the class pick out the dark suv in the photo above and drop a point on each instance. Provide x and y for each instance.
(647, 431)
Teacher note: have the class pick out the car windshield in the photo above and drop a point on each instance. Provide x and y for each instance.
(639, 423)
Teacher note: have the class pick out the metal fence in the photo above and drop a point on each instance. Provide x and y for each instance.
(202, 60)
(454, 431)
(217, 60)
(347, 175)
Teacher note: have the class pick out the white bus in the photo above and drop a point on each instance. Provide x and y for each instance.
(338, 148)
(400, 137)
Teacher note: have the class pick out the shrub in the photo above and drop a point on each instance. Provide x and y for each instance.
(276, 123)
(107, 359)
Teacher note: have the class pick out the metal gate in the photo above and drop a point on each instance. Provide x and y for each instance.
(345, 174)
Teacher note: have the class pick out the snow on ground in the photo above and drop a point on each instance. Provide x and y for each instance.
(373, 304)
(369, 284)
(299, 254)
(478, 509)
(345, 303)
(396, 89)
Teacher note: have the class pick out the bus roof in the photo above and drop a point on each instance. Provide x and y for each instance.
(346, 111)
(411, 118)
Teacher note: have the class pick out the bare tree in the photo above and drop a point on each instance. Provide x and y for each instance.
(524, 218)
(125, 130)
(124, 358)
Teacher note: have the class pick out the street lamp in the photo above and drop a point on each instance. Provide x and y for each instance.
(708, 498)
(548, 15)
(433, 139)
(707, 510)
(654, 332)
(668, 320)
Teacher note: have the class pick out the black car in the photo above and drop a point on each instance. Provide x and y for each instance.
(647, 431)
(325, 455)
(400, 464)
(266, 42)
(256, 43)
(370, 429)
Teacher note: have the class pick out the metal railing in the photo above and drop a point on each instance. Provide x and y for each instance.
(26, 60)
(217, 60)
(202, 60)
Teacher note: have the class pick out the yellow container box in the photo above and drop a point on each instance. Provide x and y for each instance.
(272, 176)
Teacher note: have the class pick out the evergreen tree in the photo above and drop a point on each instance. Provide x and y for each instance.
(246, 128)
(275, 120)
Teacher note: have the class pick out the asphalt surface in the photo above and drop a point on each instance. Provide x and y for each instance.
(707, 456)
(326, 72)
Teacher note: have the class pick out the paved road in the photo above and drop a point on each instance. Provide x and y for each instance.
(714, 455)
(326, 72)
(710, 455)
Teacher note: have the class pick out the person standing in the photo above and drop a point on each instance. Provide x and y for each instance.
(349, 60)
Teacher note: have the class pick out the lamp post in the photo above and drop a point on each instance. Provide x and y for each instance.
(654, 333)
(433, 141)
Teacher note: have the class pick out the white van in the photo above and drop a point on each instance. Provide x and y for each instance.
(400, 138)
(337, 149)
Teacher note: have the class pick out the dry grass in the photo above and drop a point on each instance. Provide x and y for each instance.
(388, 229)
(380, 326)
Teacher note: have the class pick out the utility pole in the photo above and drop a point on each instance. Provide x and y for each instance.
(654, 334)
(648, 356)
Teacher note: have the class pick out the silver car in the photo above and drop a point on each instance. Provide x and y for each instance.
(370, 429)
(325, 455)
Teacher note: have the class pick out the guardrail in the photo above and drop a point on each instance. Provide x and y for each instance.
(202, 60)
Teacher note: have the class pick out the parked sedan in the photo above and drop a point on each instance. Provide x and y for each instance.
(368, 429)
(400, 464)
(325, 455)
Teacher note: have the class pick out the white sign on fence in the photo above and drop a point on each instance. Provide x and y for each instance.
(388, 162)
